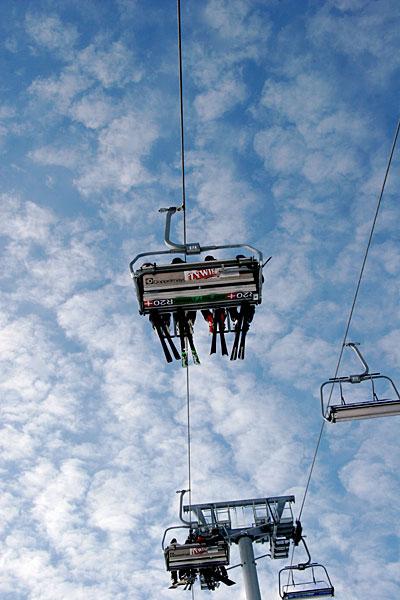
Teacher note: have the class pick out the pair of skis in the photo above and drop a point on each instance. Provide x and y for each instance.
(185, 323)
(216, 324)
(161, 324)
(242, 319)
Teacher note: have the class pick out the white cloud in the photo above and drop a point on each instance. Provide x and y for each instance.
(24, 220)
(111, 66)
(282, 150)
(222, 201)
(298, 358)
(316, 139)
(371, 475)
(122, 147)
(115, 513)
(51, 32)
(55, 255)
(60, 91)
(93, 110)
(313, 93)
(370, 32)
(286, 293)
(50, 155)
(237, 23)
(216, 101)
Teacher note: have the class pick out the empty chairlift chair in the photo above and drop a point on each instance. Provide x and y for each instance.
(305, 580)
(348, 408)
(314, 583)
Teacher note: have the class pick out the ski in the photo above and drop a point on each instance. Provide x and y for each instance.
(185, 331)
(195, 356)
(180, 321)
(220, 319)
(156, 322)
(189, 322)
(248, 314)
(167, 336)
(214, 336)
(238, 328)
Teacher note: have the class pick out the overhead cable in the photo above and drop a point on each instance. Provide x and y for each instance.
(378, 206)
(188, 424)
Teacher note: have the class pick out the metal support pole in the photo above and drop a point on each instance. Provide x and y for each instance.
(249, 568)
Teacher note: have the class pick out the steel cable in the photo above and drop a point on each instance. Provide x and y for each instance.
(378, 206)
(183, 208)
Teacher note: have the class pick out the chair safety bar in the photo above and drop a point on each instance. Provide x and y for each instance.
(258, 253)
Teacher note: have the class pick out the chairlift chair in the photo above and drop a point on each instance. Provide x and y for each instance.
(203, 558)
(196, 285)
(370, 408)
(315, 585)
(318, 585)
(196, 556)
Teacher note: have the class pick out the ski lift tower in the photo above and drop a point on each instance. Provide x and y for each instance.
(243, 522)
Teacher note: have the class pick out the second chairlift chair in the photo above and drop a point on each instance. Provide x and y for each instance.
(374, 406)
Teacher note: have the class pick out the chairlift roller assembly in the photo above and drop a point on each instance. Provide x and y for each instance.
(213, 529)
(370, 408)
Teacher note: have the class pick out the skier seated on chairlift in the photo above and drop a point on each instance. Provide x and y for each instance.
(216, 324)
(241, 318)
(183, 323)
(213, 575)
(185, 577)
(174, 574)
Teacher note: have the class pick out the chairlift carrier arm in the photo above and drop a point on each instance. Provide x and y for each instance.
(189, 249)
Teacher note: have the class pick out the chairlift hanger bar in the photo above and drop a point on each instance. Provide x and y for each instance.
(189, 249)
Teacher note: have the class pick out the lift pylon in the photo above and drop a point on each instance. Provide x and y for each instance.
(250, 577)
(214, 527)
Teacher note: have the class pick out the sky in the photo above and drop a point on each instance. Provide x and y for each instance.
(290, 111)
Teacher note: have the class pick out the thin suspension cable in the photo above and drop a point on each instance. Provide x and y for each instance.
(189, 441)
(184, 233)
(181, 119)
(378, 206)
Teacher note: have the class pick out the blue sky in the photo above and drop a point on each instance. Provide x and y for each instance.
(290, 112)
